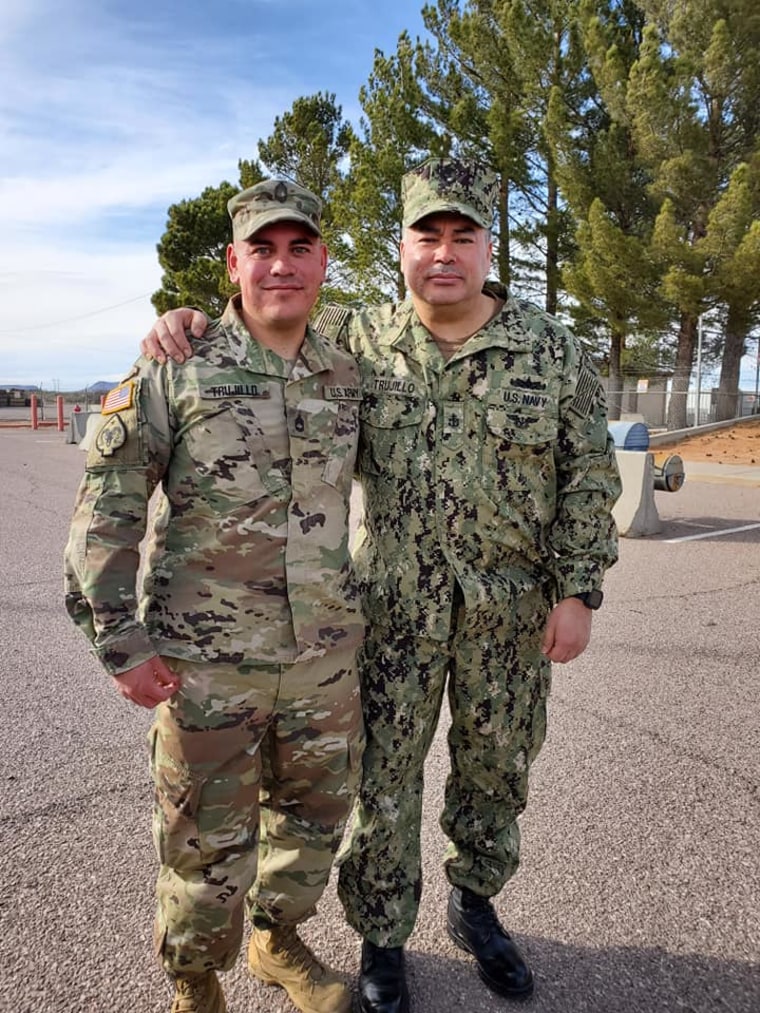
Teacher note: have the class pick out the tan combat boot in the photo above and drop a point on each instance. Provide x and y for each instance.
(197, 993)
(277, 956)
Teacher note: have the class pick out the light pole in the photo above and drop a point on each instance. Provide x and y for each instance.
(699, 368)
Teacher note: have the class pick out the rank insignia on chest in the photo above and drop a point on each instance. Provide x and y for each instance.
(119, 399)
(112, 435)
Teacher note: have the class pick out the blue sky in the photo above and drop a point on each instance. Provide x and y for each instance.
(110, 112)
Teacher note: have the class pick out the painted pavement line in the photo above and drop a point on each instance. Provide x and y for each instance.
(711, 534)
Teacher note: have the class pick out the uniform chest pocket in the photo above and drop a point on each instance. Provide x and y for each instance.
(517, 449)
(324, 434)
(231, 460)
(390, 434)
(313, 421)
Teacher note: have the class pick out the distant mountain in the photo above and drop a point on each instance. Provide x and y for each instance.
(93, 390)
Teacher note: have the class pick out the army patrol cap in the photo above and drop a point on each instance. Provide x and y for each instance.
(449, 184)
(274, 200)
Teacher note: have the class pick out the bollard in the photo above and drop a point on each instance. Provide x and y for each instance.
(669, 473)
(59, 409)
(35, 421)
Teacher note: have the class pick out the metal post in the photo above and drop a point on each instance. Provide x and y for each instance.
(35, 421)
(59, 408)
(699, 368)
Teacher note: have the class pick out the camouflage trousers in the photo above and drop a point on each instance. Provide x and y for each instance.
(498, 684)
(255, 769)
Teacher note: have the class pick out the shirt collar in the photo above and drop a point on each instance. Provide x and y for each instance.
(250, 354)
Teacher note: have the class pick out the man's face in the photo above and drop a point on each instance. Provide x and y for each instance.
(445, 259)
(280, 271)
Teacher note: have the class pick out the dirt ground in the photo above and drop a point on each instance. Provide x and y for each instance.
(738, 444)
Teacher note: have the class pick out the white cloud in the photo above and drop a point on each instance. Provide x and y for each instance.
(112, 111)
(59, 331)
(103, 124)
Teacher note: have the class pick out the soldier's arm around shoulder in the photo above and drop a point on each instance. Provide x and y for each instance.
(127, 458)
(583, 535)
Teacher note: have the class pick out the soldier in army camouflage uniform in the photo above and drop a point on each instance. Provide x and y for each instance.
(247, 633)
(489, 479)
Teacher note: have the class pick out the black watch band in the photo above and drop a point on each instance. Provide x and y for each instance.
(591, 599)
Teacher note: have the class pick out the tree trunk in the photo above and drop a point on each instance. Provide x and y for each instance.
(679, 388)
(615, 384)
(552, 242)
(733, 349)
(503, 258)
(400, 285)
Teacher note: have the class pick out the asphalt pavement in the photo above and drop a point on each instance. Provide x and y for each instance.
(640, 881)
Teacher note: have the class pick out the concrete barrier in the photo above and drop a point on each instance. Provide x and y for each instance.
(641, 473)
(82, 426)
(77, 426)
(635, 512)
(94, 423)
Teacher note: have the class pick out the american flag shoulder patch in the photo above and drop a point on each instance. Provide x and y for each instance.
(119, 399)
(585, 391)
(331, 319)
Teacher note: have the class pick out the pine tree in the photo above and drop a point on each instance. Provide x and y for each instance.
(393, 136)
(192, 253)
(693, 95)
(611, 274)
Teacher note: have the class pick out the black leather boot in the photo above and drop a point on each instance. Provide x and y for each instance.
(382, 982)
(474, 927)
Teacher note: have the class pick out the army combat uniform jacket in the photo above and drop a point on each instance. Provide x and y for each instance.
(493, 471)
(249, 557)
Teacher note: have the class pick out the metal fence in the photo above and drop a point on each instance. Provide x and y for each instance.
(651, 406)
(655, 404)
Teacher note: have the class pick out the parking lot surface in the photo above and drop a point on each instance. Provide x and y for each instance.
(639, 887)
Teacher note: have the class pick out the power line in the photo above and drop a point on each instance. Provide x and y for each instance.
(71, 320)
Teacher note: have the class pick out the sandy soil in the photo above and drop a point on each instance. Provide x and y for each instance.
(738, 444)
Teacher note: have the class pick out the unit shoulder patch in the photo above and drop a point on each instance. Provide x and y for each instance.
(112, 435)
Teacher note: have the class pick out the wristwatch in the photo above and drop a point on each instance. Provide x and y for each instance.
(591, 599)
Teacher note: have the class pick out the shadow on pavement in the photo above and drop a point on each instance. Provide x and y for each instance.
(577, 980)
